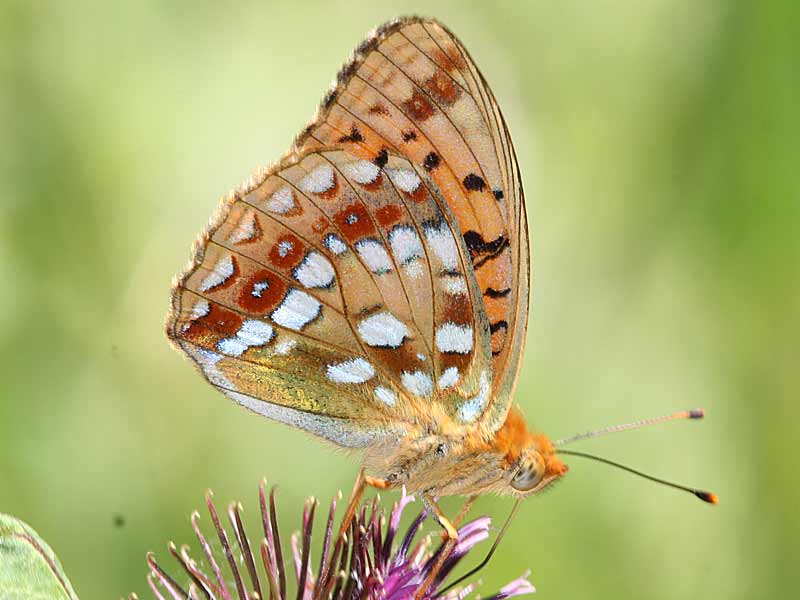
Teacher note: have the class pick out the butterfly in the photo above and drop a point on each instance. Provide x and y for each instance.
(372, 287)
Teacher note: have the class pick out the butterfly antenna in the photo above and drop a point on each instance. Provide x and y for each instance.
(695, 413)
(488, 556)
(704, 496)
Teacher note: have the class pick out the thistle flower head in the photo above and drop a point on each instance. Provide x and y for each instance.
(372, 560)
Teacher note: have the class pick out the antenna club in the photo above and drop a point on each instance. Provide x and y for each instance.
(707, 497)
(697, 413)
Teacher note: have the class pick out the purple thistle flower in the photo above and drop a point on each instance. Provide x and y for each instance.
(371, 561)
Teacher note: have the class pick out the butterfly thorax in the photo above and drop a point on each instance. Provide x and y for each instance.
(469, 462)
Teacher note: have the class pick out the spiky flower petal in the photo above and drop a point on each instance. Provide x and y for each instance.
(369, 561)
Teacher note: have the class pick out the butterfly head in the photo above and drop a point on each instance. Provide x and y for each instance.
(537, 467)
(532, 463)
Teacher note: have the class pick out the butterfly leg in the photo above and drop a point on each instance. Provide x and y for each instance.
(362, 481)
(464, 510)
(451, 534)
(462, 513)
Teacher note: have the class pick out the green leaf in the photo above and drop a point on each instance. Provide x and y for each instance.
(29, 569)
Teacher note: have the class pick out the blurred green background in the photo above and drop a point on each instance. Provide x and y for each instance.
(659, 144)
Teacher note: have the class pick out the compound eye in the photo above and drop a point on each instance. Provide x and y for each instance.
(527, 478)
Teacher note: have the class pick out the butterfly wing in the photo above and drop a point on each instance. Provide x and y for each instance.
(334, 294)
(412, 89)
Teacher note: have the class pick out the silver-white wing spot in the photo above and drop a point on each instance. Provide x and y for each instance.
(232, 346)
(297, 310)
(444, 245)
(200, 309)
(255, 333)
(335, 244)
(282, 201)
(386, 395)
(454, 339)
(471, 409)
(405, 243)
(283, 347)
(362, 171)
(219, 274)
(319, 180)
(259, 287)
(418, 383)
(252, 333)
(383, 330)
(245, 229)
(356, 370)
(455, 285)
(315, 271)
(449, 378)
(405, 179)
(374, 256)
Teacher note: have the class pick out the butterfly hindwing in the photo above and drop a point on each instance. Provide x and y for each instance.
(336, 295)
(413, 90)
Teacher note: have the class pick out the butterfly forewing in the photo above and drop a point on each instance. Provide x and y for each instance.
(337, 296)
(413, 90)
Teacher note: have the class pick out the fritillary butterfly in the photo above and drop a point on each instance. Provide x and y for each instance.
(372, 287)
